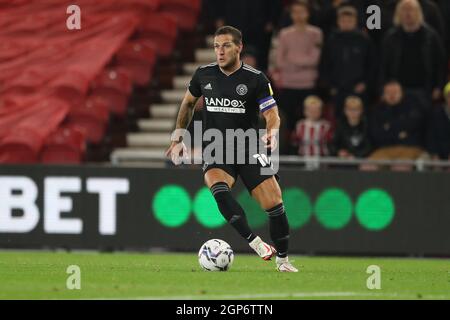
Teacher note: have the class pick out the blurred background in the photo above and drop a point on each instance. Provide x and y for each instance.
(111, 90)
(364, 142)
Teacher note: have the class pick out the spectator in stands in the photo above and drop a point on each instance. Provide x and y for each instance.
(257, 19)
(444, 10)
(433, 16)
(312, 134)
(324, 13)
(387, 8)
(396, 125)
(413, 53)
(315, 14)
(348, 60)
(297, 59)
(351, 138)
(438, 142)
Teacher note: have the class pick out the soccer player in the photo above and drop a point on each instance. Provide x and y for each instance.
(247, 92)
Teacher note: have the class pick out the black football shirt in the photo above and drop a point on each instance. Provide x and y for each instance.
(231, 101)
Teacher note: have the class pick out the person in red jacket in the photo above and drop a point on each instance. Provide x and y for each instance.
(312, 134)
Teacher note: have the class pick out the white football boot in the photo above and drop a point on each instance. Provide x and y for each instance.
(283, 265)
(265, 251)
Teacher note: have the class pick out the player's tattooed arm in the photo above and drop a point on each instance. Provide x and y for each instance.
(186, 111)
(272, 127)
(177, 151)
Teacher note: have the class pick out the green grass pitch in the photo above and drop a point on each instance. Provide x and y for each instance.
(42, 275)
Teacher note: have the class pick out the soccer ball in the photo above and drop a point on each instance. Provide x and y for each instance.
(215, 255)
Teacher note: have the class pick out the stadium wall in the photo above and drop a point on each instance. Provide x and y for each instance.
(330, 212)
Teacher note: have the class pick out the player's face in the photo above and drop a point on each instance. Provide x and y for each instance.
(227, 52)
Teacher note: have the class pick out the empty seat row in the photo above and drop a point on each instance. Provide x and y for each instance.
(59, 87)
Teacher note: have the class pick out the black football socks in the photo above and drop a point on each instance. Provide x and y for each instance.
(231, 210)
(279, 229)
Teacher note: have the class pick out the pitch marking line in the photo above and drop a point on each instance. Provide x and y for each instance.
(284, 295)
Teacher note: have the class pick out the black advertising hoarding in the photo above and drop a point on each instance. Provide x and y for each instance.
(330, 212)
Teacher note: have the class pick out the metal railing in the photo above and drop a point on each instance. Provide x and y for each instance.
(313, 163)
(307, 163)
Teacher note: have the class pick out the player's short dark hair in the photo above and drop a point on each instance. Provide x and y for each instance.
(235, 33)
(302, 3)
(348, 11)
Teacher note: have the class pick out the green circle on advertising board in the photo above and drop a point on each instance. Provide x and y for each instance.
(206, 211)
(298, 207)
(172, 206)
(375, 209)
(256, 216)
(333, 208)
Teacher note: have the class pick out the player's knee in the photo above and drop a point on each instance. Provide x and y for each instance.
(268, 194)
(214, 176)
(273, 200)
(269, 200)
(278, 198)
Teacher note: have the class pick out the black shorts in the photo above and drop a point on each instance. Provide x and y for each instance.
(250, 174)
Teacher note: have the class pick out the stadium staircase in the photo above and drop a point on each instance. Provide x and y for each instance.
(149, 143)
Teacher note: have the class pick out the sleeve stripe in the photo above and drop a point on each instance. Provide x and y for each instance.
(265, 100)
(269, 107)
(267, 103)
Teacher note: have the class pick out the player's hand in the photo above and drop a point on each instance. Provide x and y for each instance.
(177, 152)
(271, 141)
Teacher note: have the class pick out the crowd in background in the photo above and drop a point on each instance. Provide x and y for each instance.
(343, 89)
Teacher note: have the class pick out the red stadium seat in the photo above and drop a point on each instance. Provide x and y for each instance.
(114, 86)
(92, 118)
(49, 75)
(66, 145)
(70, 86)
(22, 142)
(162, 29)
(71, 80)
(21, 146)
(25, 81)
(141, 50)
(185, 11)
(138, 59)
(11, 49)
(113, 79)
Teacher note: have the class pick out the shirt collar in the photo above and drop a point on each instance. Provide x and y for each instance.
(242, 64)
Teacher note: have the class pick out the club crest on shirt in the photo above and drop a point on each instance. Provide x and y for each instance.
(241, 89)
